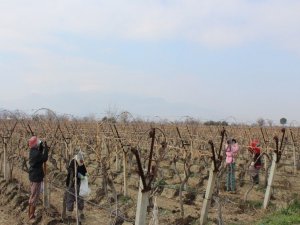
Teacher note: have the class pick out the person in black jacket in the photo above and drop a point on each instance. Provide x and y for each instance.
(76, 166)
(38, 154)
(256, 164)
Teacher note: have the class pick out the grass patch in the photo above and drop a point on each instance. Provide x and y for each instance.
(125, 199)
(163, 211)
(255, 204)
(288, 216)
(160, 182)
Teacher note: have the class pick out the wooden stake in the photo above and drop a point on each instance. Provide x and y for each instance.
(46, 188)
(117, 160)
(76, 195)
(125, 173)
(294, 153)
(5, 168)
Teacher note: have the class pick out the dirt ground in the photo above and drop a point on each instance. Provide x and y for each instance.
(14, 201)
(6, 218)
(13, 207)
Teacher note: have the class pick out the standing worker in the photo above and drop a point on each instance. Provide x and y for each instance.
(256, 163)
(231, 149)
(38, 154)
(76, 166)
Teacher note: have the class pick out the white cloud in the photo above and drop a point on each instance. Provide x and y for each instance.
(52, 74)
(30, 28)
(212, 22)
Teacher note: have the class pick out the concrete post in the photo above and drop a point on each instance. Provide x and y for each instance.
(208, 195)
(270, 181)
(141, 208)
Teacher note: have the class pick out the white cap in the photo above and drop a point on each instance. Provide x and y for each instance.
(79, 158)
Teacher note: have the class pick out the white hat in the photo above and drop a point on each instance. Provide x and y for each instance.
(79, 158)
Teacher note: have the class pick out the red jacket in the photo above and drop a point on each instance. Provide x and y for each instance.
(255, 149)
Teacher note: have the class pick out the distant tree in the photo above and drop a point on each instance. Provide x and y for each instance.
(283, 121)
(260, 122)
(270, 123)
(109, 119)
(89, 118)
(139, 120)
(209, 123)
(35, 117)
(216, 123)
(64, 117)
(49, 115)
(191, 121)
(124, 117)
(111, 112)
(224, 123)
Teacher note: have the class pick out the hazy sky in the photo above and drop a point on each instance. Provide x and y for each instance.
(209, 59)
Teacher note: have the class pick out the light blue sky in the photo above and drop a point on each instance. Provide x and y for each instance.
(211, 59)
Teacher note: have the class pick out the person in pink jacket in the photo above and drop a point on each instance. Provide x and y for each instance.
(231, 149)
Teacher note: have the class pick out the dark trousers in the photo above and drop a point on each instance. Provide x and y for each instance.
(230, 181)
(70, 199)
